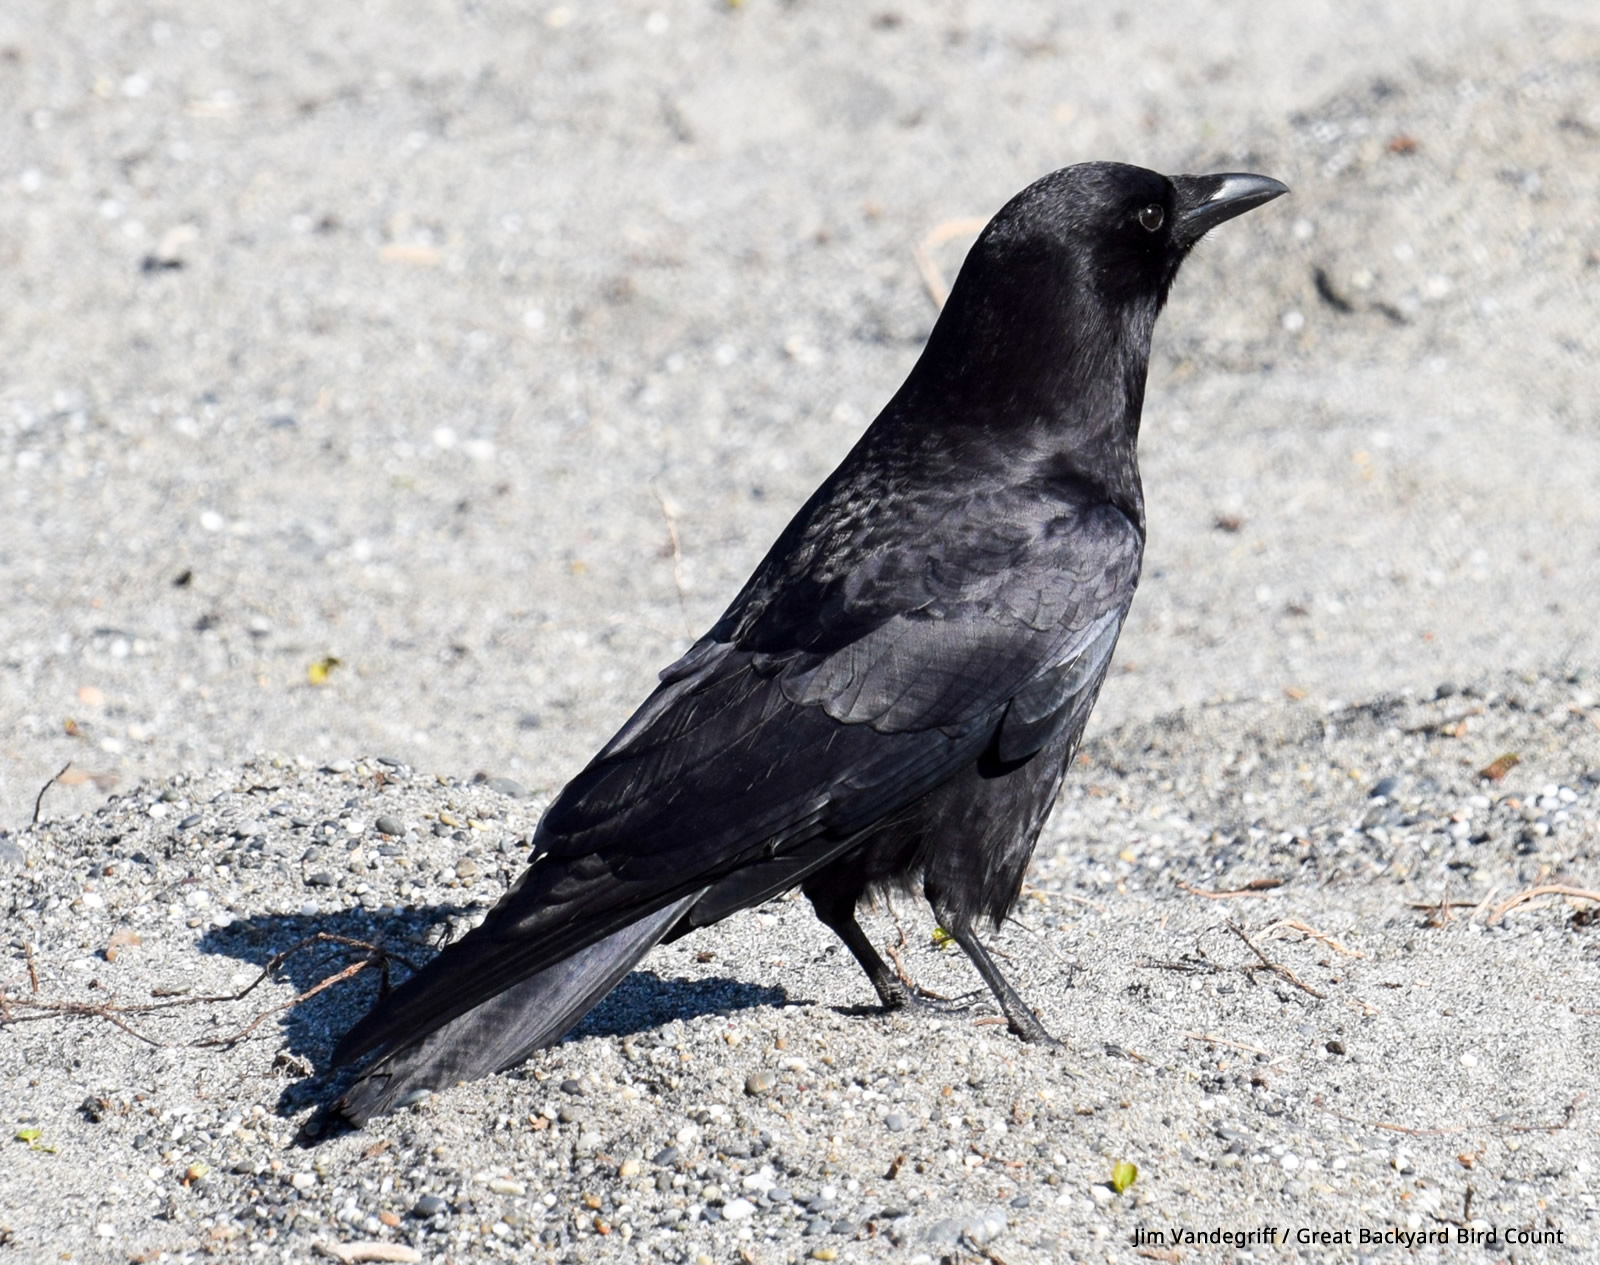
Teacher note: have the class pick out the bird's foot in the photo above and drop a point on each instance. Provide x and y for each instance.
(1025, 1025)
(909, 996)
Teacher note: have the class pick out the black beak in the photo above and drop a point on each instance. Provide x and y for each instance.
(1206, 201)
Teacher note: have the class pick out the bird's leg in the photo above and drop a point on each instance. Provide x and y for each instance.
(1018, 1014)
(836, 909)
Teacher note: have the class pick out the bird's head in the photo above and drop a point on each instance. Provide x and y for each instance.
(1073, 270)
(1116, 229)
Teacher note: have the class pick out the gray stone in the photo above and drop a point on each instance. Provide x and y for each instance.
(759, 1083)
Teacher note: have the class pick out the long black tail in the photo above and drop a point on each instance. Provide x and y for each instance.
(501, 1032)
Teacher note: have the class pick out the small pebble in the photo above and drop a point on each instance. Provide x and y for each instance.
(895, 1122)
(387, 825)
(738, 1209)
(429, 1206)
(943, 1233)
(466, 868)
(759, 1083)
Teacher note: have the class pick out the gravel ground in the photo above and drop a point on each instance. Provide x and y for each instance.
(417, 379)
(1416, 1058)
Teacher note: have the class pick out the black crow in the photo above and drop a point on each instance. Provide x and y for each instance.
(895, 694)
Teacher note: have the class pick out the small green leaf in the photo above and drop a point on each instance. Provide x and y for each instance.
(28, 1135)
(1123, 1176)
(942, 939)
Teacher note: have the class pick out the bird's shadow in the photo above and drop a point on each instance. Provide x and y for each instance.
(312, 1025)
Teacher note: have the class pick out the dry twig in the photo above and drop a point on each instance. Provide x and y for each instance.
(1042, 895)
(938, 289)
(671, 515)
(368, 1250)
(1275, 967)
(1294, 924)
(112, 1012)
(1255, 887)
(1544, 889)
(1448, 722)
(38, 802)
(1568, 1116)
(1211, 1038)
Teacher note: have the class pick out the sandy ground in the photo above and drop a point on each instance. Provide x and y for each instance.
(465, 357)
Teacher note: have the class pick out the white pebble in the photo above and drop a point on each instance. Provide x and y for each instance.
(737, 1209)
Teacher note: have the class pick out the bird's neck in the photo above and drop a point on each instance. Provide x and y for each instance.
(1058, 394)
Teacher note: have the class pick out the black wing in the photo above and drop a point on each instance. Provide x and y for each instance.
(832, 694)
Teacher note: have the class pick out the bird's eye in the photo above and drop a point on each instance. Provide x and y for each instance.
(1152, 217)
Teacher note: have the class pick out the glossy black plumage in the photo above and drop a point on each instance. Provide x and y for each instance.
(895, 694)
